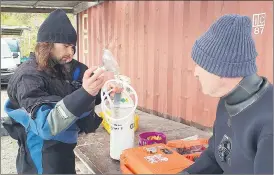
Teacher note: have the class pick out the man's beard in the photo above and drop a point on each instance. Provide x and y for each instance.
(57, 61)
(54, 61)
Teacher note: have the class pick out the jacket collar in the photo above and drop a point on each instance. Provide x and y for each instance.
(248, 91)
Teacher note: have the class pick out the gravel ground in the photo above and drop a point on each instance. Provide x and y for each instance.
(9, 149)
(9, 146)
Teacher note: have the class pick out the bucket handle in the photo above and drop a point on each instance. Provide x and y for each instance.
(106, 95)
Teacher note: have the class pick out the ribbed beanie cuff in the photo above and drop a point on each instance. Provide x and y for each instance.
(57, 38)
(222, 69)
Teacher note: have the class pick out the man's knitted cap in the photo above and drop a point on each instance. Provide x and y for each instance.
(227, 48)
(57, 28)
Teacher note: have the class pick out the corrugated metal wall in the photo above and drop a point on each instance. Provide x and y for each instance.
(153, 41)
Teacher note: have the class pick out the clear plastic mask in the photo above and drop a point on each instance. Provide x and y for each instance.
(109, 62)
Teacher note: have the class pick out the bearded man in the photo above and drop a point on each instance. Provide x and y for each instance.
(51, 99)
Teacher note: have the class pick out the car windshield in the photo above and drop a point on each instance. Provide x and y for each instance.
(13, 44)
(5, 50)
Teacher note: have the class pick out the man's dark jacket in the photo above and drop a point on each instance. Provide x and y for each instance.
(242, 140)
(47, 110)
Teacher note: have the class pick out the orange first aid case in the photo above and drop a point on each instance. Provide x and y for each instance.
(191, 149)
(187, 143)
(153, 159)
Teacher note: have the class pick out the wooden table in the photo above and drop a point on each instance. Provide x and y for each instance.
(93, 149)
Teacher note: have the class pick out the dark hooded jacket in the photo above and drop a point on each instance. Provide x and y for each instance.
(242, 141)
(46, 112)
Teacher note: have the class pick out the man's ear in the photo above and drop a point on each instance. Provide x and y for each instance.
(74, 49)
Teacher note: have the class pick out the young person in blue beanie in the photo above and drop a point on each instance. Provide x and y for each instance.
(242, 141)
(51, 99)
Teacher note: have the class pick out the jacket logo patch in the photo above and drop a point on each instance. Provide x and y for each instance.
(224, 149)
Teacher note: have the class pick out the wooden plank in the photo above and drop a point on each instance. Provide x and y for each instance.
(31, 10)
(84, 6)
(81, 168)
(88, 164)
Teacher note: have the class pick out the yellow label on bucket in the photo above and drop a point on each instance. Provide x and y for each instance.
(107, 126)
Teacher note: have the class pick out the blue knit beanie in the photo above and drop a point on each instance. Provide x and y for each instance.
(227, 48)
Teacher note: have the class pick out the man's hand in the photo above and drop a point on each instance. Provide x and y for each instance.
(93, 83)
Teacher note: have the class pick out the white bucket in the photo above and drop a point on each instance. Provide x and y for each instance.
(121, 119)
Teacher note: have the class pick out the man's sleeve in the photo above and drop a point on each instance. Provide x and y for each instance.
(48, 114)
(206, 163)
(263, 163)
(90, 123)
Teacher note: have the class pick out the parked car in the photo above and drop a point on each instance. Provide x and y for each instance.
(15, 49)
(8, 62)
